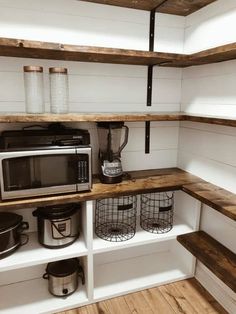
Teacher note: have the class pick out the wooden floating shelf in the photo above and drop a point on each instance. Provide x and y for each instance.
(138, 182)
(57, 51)
(213, 196)
(183, 7)
(109, 116)
(220, 260)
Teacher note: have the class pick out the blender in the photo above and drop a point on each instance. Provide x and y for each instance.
(109, 135)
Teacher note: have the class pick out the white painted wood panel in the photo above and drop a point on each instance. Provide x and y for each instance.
(211, 26)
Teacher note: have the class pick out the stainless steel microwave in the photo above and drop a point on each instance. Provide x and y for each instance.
(35, 172)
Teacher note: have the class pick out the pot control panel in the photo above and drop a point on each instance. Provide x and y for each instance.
(61, 229)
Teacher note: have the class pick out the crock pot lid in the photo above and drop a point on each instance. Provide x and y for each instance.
(63, 268)
(57, 211)
(9, 220)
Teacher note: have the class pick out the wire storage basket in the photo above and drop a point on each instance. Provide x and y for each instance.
(115, 218)
(157, 212)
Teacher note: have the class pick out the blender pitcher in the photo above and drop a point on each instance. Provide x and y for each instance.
(109, 135)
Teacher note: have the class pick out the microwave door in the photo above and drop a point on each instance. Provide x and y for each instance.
(17, 174)
(44, 172)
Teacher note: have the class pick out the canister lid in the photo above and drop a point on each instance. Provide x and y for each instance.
(58, 70)
(63, 268)
(9, 220)
(56, 211)
(33, 68)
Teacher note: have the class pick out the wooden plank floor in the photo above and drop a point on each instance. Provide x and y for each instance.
(182, 297)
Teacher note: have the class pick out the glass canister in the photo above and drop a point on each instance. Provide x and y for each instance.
(34, 94)
(59, 90)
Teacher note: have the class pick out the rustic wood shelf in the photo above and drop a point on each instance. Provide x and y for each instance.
(183, 7)
(142, 182)
(57, 51)
(220, 260)
(213, 196)
(110, 116)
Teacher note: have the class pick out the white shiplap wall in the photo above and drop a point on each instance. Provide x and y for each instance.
(206, 150)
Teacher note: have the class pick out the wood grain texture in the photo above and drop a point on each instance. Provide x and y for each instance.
(58, 51)
(180, 7)
(155, 301)
(197, 295)
(213, 196)
(138, 182)
(216, 257)
(111, 116)
(92, 117)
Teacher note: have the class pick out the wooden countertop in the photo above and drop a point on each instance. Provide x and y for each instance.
(138, 182)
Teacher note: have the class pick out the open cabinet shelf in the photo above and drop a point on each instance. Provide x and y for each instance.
(183, 7)
(143, 270)
(142, 237)
(34, 254)
(32, 296)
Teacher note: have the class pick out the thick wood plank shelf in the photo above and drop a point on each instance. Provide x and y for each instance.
(213, 196)
(110, 116)
(142, 182)
(58, 51)
(92, 117)
(138, 182)
(181, 7)
(220, 260)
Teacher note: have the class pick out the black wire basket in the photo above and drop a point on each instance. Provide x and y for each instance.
(115, 218)
(157, 210)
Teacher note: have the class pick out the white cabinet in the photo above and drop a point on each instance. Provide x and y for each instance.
(111, 269)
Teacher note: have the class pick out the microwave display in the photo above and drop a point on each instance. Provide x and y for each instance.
(34, 172)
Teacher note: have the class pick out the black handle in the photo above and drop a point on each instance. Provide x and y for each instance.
(124, 207)
(165, 209)
(81, 274)
(46, 276)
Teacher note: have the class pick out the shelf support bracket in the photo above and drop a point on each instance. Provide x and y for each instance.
(149, 79)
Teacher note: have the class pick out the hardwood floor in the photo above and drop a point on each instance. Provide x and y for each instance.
(182, 297)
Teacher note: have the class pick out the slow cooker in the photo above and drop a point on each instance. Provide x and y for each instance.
(63, 277)
(11, 236)
(58, 225)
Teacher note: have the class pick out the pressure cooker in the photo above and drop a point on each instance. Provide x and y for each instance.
(11, 233)
(58, 225)
(63, 277)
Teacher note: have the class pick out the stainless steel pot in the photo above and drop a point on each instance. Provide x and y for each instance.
(63, 277)
(11, 236)
(58, 225)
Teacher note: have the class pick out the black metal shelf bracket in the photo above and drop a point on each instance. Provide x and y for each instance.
(149, 79)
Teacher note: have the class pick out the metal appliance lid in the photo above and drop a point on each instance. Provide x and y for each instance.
(56, 211)
(9, 220)
(63, 268)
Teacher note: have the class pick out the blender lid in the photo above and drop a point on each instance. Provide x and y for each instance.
(63, 268)
(56, 211)
(110, 125)
(9, 220)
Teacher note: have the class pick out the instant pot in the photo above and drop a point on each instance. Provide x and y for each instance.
(63, 277)
(58, 225)
(11, 236)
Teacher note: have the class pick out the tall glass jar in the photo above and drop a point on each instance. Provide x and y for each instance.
(34, 94)
(59, 90)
